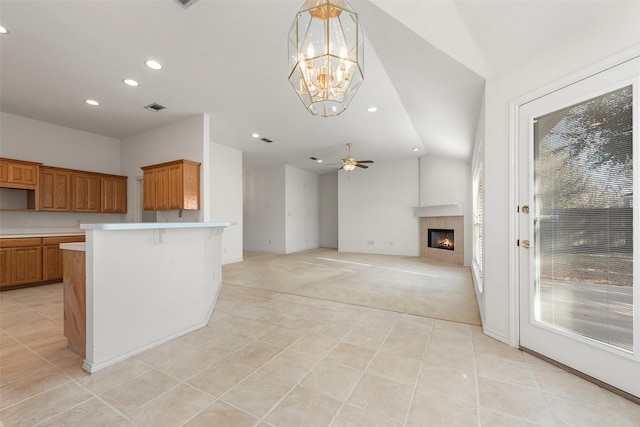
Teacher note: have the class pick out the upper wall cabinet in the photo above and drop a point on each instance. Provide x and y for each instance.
(55, 189)
(114, 194)
(19, 174)
(85, 192)
(172, 186)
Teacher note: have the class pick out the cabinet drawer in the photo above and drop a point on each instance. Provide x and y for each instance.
(20, 242)
(62, 239)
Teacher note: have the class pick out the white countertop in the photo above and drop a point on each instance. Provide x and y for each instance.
(8, 233)
(154, 225)
(80, 246)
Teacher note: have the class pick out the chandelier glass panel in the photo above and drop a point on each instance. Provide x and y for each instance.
(326, 56)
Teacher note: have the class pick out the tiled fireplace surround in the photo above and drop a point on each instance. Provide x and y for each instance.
(455, 223)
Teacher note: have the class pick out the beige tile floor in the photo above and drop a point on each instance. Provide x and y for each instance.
(275, 359)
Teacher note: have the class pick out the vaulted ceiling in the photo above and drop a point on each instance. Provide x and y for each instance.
(426, 63)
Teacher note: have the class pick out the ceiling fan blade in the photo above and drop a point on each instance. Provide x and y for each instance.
(365, 161)
(362, 166)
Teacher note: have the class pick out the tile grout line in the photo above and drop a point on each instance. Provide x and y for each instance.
(475, 374)
(263, 419)
(415, 385)
(364, 371)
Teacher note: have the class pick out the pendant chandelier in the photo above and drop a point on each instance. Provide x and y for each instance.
(326, 56)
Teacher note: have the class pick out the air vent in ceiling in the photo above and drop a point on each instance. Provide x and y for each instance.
(155, 107)
(267, 140)
(186, 3)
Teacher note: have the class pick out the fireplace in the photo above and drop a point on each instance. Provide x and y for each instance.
(440, 238)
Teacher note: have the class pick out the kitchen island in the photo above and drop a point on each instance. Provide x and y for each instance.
(145, 284)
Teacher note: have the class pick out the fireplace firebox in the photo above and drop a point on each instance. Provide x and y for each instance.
(439, 238)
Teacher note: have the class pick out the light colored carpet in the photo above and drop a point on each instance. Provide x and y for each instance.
(398, 283)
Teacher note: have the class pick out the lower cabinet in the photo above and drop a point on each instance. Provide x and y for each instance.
(5, 267)
(32, 260)
(26, 265)
(52, 256)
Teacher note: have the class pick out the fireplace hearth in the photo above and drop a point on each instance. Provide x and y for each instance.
(441, 239)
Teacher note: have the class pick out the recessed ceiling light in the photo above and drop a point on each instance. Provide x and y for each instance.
(372, 109)
(3, 30)
(131, 82)
(153, 64)
(415, 149)
(319, 160)
(92, 102)
(255, 135)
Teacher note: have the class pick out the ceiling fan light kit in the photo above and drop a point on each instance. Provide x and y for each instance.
(326, 56)
(349, 163)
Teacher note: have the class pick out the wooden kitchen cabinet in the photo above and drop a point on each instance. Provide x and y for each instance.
(26, 265)
(32, 260)
(114, 194)
(52, 262)
(149, 192)
(55, 189)
(85, 192)
(172, 186)
(4, 171)
(5, 267)
(19, 173)
(22, 258)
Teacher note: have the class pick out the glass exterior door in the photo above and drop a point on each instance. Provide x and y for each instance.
(578, 259)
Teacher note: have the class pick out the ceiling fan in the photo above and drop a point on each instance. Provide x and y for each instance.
(349, 163)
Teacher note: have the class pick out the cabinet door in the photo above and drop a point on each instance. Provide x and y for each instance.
(175, 187)
(4, 171)
(191, 186)
(26, 265)
(114, 194)
(51, 262)
(55, 190)
(162, 188)
(5, 267)
(85, 193)
(23, 174)
(149, 190)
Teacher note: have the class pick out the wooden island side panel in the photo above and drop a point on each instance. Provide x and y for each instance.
(75, 312)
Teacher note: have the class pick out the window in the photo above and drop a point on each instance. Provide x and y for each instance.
(478, 211)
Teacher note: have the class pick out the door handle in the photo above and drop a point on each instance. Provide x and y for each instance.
(525, 209)
(525, 244)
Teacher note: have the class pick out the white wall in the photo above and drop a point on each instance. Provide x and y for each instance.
(302, 195)
(445, 181)
(264, 209)
(185, 139)
(609, 34)
(225, 166)
(27, 139)
(329, 210)
(375, 209)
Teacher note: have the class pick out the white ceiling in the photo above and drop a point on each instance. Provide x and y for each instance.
(425, 67)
